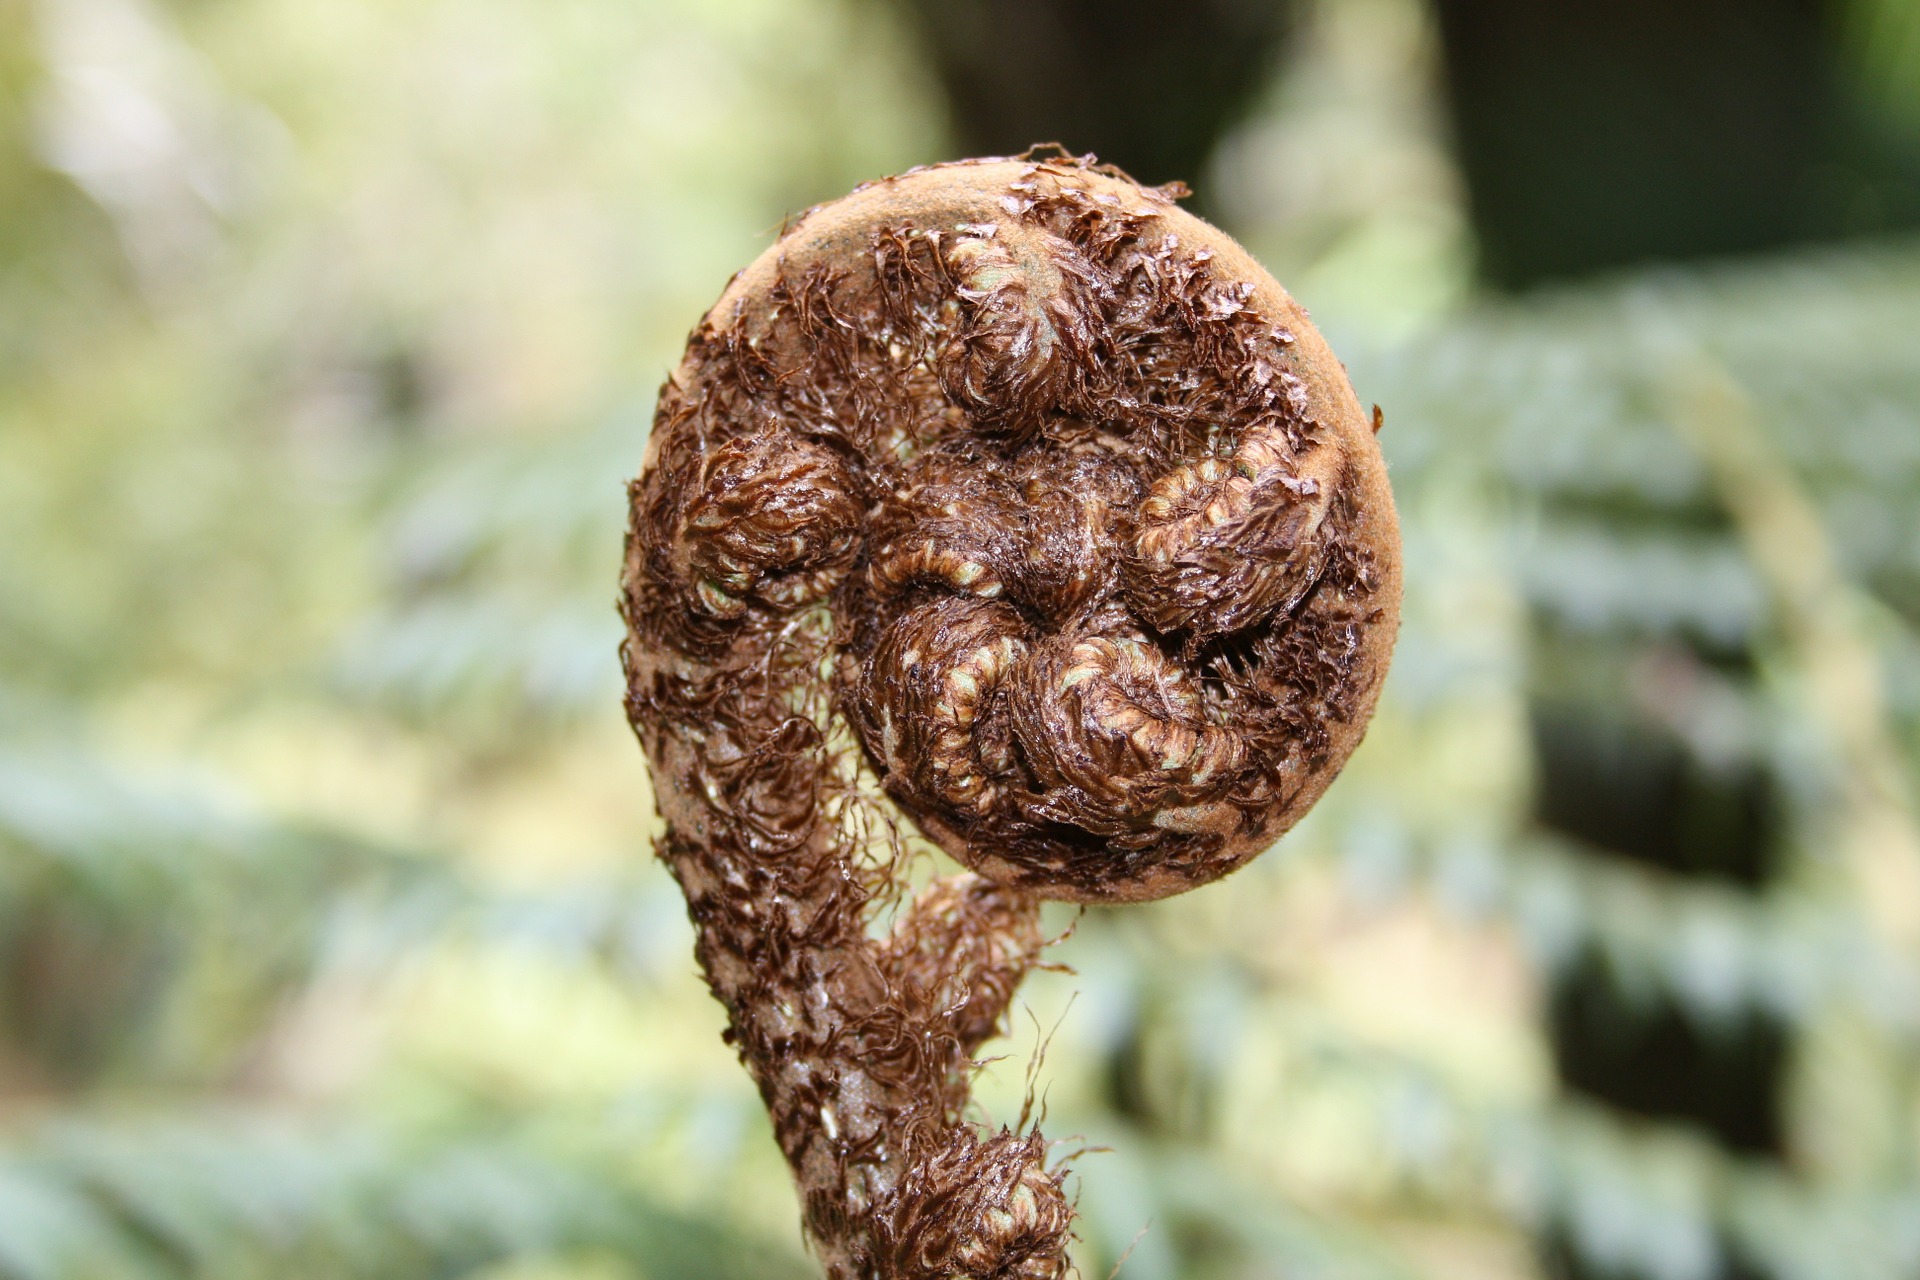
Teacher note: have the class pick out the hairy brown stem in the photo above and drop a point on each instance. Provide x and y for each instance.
(1009, 485)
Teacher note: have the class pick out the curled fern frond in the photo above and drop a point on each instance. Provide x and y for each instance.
(1017, 487)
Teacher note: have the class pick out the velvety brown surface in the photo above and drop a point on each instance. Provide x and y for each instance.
(1014, 488)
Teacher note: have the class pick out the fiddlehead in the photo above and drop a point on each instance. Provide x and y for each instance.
(1034, 498)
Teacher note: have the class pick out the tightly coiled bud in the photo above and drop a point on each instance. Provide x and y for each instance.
(774, 524)
(980, 1210)
(1119, 740)
(1026, 344)
(1034, 496)
(934, 700)
(1222, 545)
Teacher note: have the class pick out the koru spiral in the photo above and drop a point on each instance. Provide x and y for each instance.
(1009, 487)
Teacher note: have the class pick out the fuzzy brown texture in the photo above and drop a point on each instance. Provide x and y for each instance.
(1009, 485)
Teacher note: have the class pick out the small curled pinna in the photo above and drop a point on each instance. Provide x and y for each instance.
(1011, 492)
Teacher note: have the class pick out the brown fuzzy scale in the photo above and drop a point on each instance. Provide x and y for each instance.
(1036, 496)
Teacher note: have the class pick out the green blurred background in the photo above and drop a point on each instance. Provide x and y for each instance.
(330, 942)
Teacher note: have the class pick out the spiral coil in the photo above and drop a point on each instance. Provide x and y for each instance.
(1034, 498)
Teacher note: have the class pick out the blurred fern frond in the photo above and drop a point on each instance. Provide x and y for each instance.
(224, 1194)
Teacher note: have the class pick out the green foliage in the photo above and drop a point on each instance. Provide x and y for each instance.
(231, 1196)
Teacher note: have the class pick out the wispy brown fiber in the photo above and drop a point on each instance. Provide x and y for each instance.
(1011, 487)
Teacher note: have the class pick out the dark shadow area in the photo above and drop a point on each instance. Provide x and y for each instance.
(1600, 133)
(1634, 791)
(1149, 85)
(1563, 1260)
(1660, 1063)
